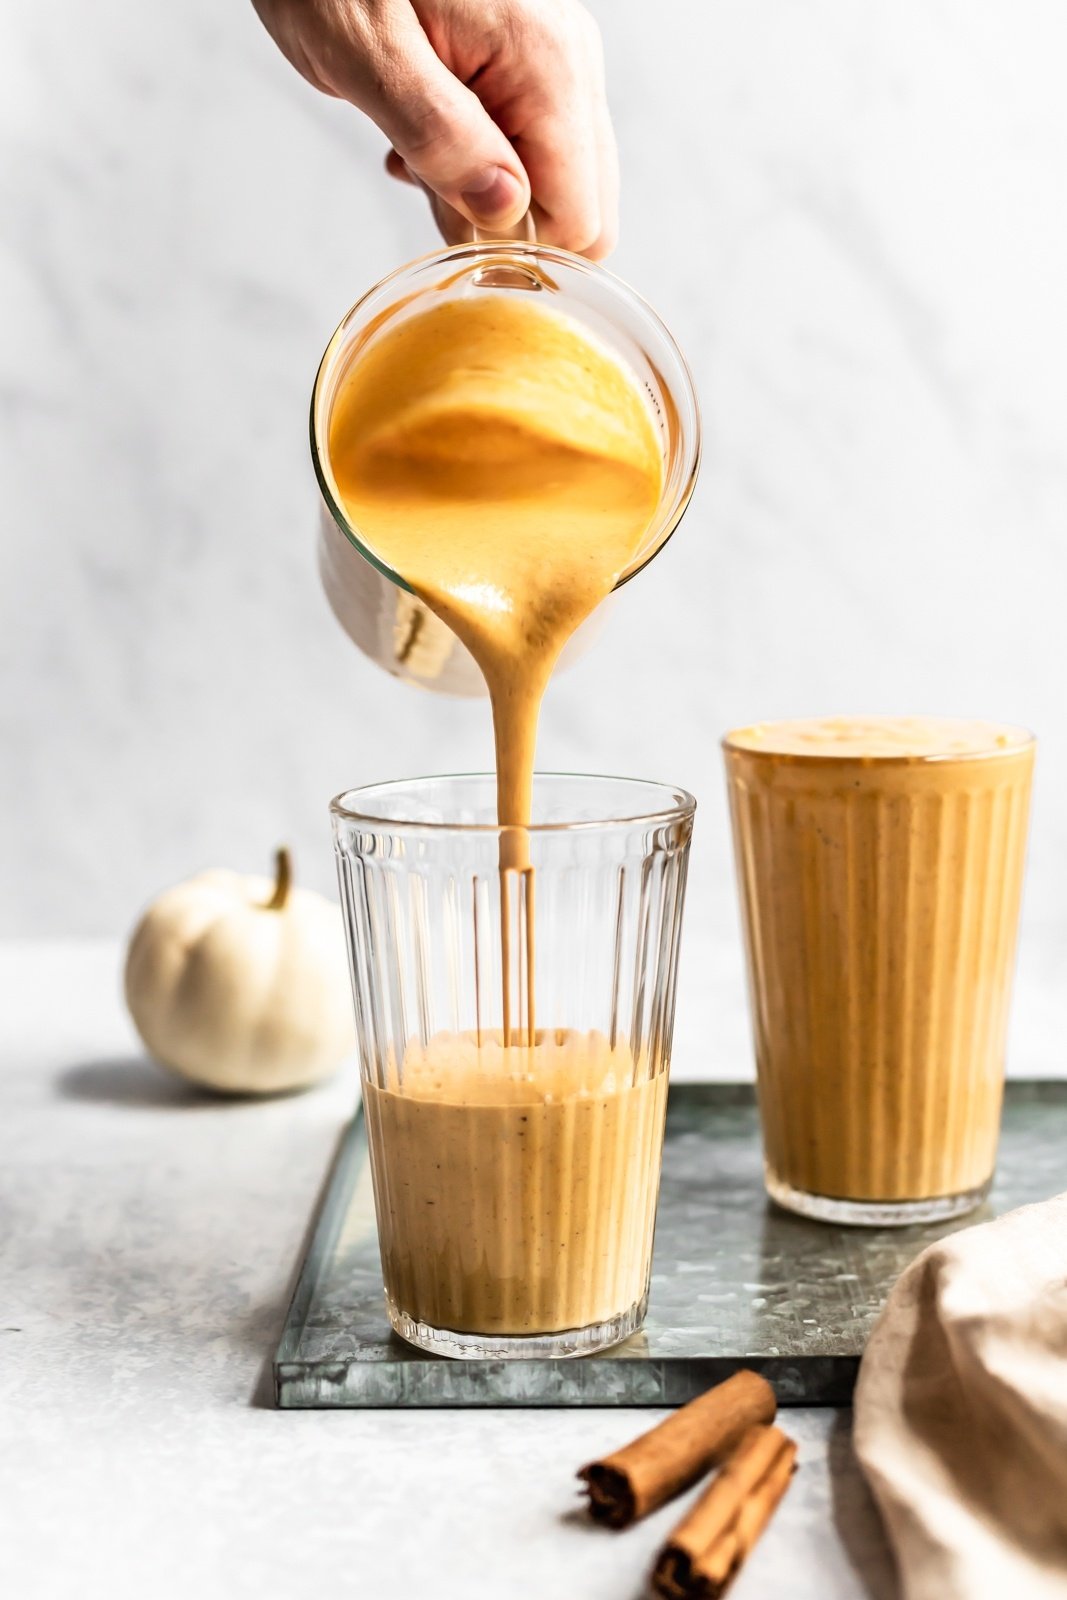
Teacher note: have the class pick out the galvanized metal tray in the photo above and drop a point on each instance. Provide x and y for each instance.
(735, 1281)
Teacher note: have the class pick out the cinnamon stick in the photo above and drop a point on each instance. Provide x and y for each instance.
(662, 1462)
(705, 1551)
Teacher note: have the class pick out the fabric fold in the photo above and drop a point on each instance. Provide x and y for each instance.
(961, 1412)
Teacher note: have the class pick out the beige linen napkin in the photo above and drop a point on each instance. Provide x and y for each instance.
(961, 1412)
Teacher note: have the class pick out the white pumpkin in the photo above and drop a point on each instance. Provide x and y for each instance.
(242, 984)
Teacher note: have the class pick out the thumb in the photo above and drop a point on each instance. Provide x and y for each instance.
(445, 136)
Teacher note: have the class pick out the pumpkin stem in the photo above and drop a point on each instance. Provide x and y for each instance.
(283, 880)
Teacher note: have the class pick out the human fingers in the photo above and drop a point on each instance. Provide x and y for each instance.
(437, 126)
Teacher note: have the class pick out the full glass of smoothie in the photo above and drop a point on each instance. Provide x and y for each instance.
(880, 865)
(514, 1034)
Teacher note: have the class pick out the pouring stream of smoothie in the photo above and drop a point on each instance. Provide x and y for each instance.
(507, 466)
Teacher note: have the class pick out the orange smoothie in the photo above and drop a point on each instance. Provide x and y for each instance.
(518, 1193)
(880, 864)
(507, 467)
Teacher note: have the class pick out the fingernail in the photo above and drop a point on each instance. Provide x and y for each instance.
(497, 193)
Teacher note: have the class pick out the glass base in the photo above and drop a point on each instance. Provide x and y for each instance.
(517, 1347)
(874, 1213)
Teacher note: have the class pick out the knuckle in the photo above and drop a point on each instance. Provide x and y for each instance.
(579, 233)
(424, 125)
(426, 130)
(604, 243)
(554, 23)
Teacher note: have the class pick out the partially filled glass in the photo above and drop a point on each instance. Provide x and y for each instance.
(515, 1143)
(880, 862)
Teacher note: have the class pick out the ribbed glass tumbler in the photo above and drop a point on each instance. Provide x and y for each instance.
(514, 1031)
(880, 900)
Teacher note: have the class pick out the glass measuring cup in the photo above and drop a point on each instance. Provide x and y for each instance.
(375, 605)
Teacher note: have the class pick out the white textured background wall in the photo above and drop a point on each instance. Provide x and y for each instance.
(851, 213)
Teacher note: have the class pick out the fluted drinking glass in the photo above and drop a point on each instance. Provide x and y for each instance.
(880, 902)
(514, 1035)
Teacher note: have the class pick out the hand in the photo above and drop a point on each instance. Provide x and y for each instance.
(493, 106)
